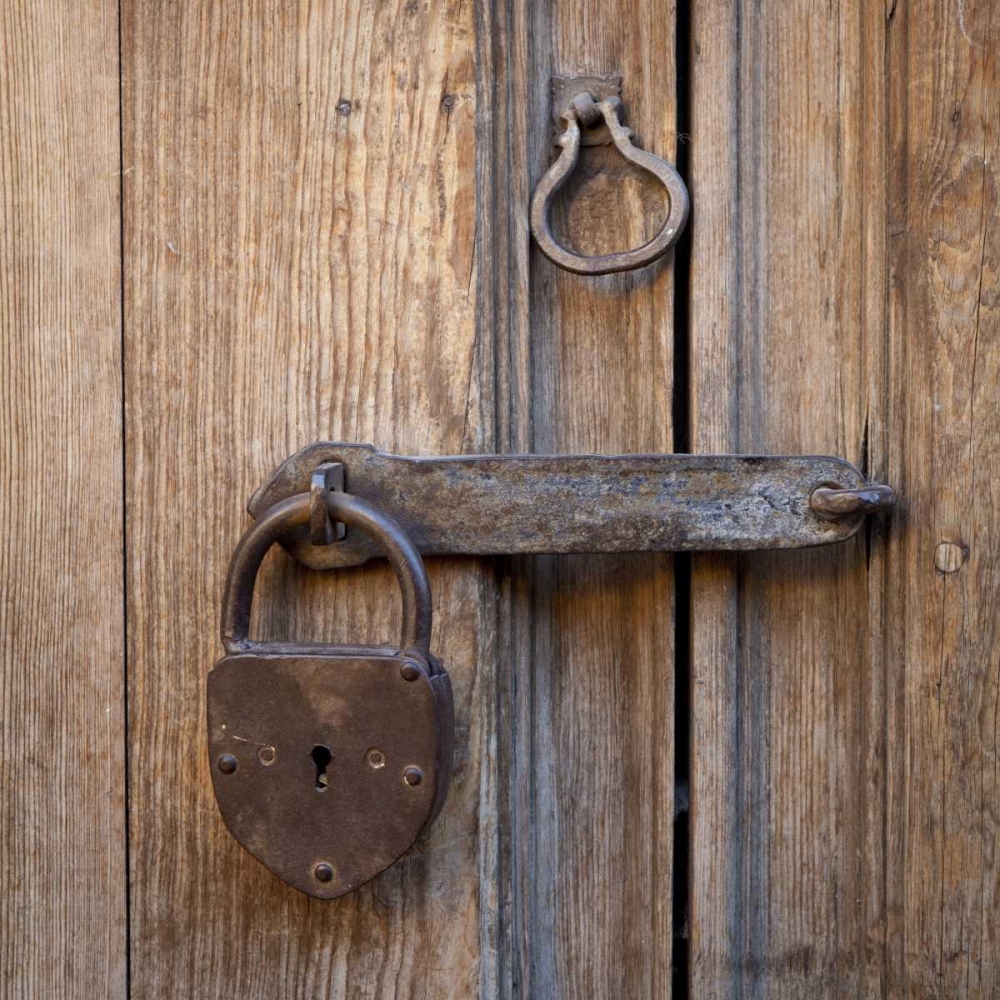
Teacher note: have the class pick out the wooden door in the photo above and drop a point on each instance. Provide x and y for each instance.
(231, 229)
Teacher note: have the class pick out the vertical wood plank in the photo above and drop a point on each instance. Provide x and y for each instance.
(789, 860)
(846, 797)
(944, 580)
(584, 365)
(62, 808)
(300, 265)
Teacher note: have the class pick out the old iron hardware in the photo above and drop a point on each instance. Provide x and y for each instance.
(328, 761)
(508, 504)
(600, 88)
(582, 114)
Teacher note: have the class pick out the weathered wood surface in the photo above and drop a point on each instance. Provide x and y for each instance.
(787, 345)
(844, 788)
(62, 775)
(585, 643)
(942, 582)
(299, 238)
(301, 268)
(326, 238)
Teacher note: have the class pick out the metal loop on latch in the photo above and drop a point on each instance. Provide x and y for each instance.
(358, 514)
(327, 478)
(583, 107)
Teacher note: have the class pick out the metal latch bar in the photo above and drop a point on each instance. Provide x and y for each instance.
(512, 504)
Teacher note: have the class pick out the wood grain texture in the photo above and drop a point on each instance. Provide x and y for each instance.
(62, 704)
(787, 352)
(943, 581)
(585, 706)
(844, 788)
(326, 237)
(299, 245)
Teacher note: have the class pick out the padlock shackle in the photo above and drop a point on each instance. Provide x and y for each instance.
(355, 513)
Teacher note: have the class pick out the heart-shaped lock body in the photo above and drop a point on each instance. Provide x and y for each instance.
(328, 761)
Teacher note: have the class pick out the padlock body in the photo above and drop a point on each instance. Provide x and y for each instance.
(328, 763)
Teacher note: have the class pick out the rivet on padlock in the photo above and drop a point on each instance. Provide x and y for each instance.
(328, 761)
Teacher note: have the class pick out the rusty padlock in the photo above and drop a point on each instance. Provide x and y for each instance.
(328, 761)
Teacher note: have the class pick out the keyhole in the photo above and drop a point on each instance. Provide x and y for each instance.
(321, 757)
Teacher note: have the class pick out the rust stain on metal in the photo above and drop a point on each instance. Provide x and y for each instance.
(581, 109)
(835, 504)
(327, 832)
(326, 478)
(567, 97)
(508, 504)
(316, 803)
